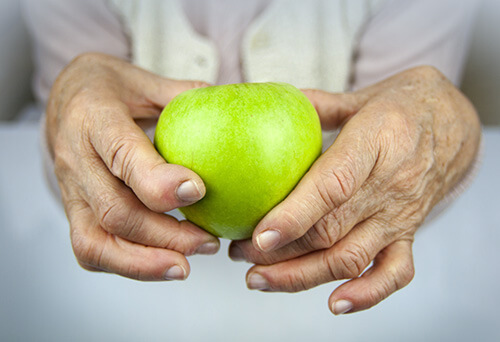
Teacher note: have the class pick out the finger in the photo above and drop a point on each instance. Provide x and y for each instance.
(120, 213)
(98, 250)
(324, 233)
(129, 155)
(345, 260)
(392, 270)
(156, 89)
(89, 268)
(333, 179)
(167, 89)
(153, 93)
(140, 89)
(334, 109)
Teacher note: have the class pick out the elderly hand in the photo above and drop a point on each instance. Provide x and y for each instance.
(115, 187)
(404, 143)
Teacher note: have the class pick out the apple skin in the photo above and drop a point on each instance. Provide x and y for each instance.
(250, 143)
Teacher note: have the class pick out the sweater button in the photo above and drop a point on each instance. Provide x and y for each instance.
(201, 61)
(260, 40)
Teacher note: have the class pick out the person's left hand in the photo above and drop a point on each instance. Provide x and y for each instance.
(404, 144)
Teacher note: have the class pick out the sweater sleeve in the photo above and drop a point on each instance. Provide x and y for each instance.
(60, 31)
(405, 33)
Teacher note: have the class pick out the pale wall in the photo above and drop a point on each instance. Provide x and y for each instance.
(15, 61)
(482, 75)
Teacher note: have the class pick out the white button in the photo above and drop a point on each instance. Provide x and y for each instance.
(260, 40)
(201, 61)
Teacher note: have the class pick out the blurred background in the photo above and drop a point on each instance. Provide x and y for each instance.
(45, 296)
(481, 80)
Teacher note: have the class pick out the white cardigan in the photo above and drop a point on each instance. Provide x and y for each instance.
(308, 44)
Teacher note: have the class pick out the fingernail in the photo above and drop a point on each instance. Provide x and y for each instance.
(189, 191)
(341, 306)
(175, 273)
(236, 254)
(257, 282)
(268, 240)
(208, 248)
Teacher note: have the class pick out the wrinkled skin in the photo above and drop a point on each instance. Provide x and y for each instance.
(114, 185)
(404, 143)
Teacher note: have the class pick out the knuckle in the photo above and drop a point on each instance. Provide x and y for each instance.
(349, 263)
(397, 130)
(377, 293)
(404, 275)
(121, 157)
(62, 163)
(134, 271)
(80, 247)
(110, 217)
(293, 282)
(337, 185)
(290, 219)
(327, 230)
(87, 253)
(182, 243)
(398, 140)
(395, 279)
(114, 217)
(67, 154)
(89, 268)
(311, 241)
(254, 256)
(76, 107)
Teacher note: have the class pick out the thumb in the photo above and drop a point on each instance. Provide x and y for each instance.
(334, 109)
(130, 156)
(332, 180)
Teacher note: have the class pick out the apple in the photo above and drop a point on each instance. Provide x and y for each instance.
(251, 143)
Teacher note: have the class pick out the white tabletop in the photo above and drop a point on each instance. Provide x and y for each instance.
(46, 296)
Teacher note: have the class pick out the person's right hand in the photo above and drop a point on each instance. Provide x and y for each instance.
(114, 185)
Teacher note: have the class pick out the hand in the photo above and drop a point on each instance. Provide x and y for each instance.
(114, 185)
(404, 143)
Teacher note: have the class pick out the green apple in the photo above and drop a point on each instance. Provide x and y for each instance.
(251, 143)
